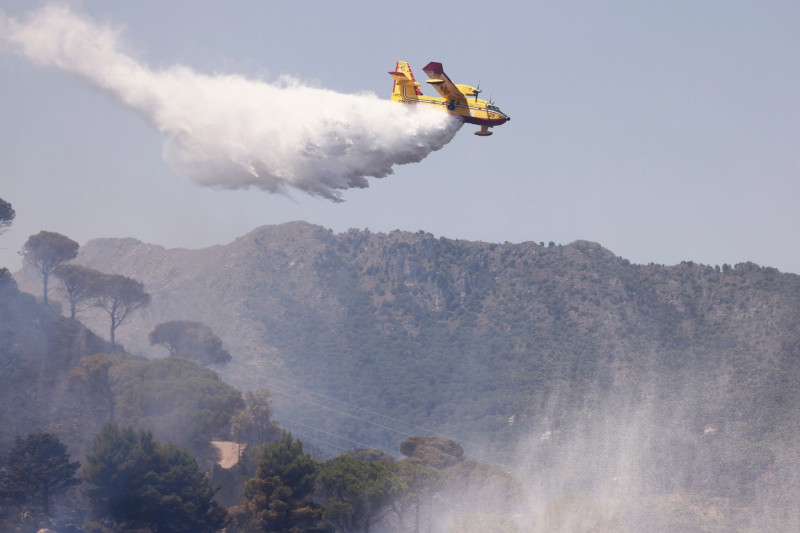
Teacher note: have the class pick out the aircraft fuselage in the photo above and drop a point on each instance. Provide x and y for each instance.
(459, 100)
(477, 111)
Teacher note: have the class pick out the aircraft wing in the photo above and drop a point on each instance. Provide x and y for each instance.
(443, 84)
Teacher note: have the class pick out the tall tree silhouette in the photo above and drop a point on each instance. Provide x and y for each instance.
(45, 251)
(7, 215)
(119, 296)
(76, 284)
(39, 466)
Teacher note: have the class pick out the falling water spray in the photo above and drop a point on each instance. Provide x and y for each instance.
(233, 132)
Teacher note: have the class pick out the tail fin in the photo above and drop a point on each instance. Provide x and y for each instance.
(403, 78)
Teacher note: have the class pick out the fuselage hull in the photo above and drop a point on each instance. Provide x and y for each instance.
(477, 113)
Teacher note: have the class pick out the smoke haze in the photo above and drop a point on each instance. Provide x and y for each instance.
(233, 132)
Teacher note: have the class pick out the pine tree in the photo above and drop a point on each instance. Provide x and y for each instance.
(359, 493)
(278, 498)
(45, 251)
(137, 482)
(39, 467)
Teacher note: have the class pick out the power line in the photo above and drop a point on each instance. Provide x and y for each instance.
(252, 381)
(343, 413)
(297, 433)
(357, 443)
(355, 406)
(372, 423)
(432, 432)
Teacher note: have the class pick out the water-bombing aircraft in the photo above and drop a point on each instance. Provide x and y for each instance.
(459, 100)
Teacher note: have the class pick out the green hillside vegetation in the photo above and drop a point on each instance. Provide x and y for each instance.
(583, 392)
(586, 372)
(60, 376)
(133, 480)
(139, 472)
(175, 398)
(462, 336)
(38, 348)
(137, 483)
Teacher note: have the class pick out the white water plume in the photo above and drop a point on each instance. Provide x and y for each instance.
(233, 132)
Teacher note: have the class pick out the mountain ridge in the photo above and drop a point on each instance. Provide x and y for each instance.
(463, 336)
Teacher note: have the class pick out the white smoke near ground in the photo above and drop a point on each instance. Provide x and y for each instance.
(233, 132)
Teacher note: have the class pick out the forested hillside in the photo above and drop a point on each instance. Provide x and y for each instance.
(58, 375)
(38, 349)
(565, 364)
(496, 344)
(495, 329)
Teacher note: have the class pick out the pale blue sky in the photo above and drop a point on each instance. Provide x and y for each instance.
(665, 131)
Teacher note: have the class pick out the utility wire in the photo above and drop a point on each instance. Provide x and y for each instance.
(357, 443)
(432, 432)
(297, 433)
(369, 422)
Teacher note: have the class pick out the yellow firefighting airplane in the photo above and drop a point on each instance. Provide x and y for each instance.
(454, 97)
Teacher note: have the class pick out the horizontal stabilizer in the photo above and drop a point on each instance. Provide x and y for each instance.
(403, 79)
(435, 81)
(434, 67)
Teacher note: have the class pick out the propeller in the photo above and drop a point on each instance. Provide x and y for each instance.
(477, 91)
